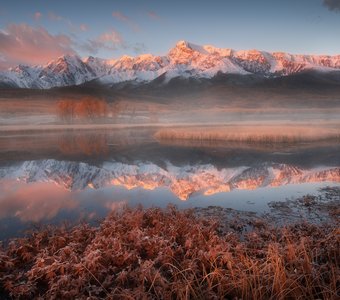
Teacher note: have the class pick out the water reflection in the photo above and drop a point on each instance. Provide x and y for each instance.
(33, 202)
(183, 181)
(45, 177)
(90, 144)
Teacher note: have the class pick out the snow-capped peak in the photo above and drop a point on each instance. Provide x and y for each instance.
(184, 45)
(185, 59)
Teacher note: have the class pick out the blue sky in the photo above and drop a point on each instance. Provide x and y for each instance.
(110, 29)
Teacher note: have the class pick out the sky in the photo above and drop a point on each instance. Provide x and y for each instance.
(37, 31)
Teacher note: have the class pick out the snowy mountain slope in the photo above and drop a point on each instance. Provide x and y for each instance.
(20, 76)
(65, 71)
(183, 181)
(185, 60)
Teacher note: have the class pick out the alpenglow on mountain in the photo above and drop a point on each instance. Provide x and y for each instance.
(185, 60)
(182, 181)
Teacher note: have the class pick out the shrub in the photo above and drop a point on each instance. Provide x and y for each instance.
(171, 254)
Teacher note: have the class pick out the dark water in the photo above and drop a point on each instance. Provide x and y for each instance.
(73, 176)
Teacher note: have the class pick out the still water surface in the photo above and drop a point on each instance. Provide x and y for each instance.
(48, 178)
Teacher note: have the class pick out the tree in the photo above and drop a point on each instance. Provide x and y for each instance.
(91, 108)
(87, 108)
(66, 110)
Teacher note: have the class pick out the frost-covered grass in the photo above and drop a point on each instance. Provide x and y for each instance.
(251, 134)
(171, 254)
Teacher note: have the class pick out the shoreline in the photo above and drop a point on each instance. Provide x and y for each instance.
(60, 127)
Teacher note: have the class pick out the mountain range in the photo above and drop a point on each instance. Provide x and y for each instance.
(185, 60)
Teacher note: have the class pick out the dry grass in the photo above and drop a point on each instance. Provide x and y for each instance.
(251, 134)
(157, 254)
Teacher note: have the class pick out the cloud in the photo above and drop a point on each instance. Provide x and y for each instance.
(37, 16)
(139, 48)
(121, 17)
(333, 5)
(84, 27)
(110, 40)
(21, 43)
(112, 37)
(53, 17)
(24, 44)
(153, 15)
(56, 18)
(3, 63)
(73, 28)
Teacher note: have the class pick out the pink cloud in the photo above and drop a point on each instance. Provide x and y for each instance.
(72, 27)
(56, 18)
(21, 43)
(112, 37)
(83, 27)
(110, 40)
(3, 62)
(121, 17)
(53, 17)
(37, 16)
(153, 15)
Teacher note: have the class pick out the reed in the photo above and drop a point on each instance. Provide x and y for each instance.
(250, 134)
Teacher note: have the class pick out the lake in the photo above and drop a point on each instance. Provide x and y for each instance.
(53, 177)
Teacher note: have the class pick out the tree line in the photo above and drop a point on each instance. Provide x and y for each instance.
(93, 109)
(86, 108)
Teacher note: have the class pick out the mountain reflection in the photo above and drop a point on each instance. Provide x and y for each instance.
(183, 181)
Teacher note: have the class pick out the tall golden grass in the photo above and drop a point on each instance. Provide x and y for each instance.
(251, 134)
(171, 254)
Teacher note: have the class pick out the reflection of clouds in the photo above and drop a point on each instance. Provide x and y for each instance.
(105, 197)
(34, 201)
(113, 206)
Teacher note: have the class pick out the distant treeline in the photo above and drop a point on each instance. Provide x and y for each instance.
(93, 109)
(87, 108)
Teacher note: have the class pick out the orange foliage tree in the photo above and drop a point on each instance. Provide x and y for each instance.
(66, 110)
(87, 108)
